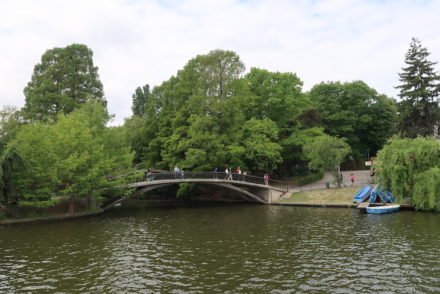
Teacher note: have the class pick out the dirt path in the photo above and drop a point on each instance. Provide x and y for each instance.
(362, 177)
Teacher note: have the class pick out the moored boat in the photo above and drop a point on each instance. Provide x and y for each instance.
(383, 209)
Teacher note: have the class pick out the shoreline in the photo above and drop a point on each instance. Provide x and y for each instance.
(65, 217)
(49, 219)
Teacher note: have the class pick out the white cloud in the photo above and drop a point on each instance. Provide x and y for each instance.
(139, 42)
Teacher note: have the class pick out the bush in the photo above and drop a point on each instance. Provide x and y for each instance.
(313, 177)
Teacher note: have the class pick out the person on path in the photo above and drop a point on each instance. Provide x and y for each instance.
(341, 180)
(226, 174)
(352, 178)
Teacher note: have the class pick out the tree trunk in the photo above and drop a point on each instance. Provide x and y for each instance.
(71, 206)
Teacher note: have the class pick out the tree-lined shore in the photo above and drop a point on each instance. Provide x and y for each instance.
(212, 114)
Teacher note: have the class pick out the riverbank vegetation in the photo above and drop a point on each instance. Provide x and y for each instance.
(411, 168)
(211, 114)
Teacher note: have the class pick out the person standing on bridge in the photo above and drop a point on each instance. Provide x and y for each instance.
(230, 174)
(226, 173)
(149, 175)
(238, 173)
(176, 171)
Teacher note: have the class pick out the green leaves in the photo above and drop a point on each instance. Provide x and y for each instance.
(139, 100)
(326, 153)
(70, 158)
(356, 112)
(64, 80)
(262, 152)
(410, 168)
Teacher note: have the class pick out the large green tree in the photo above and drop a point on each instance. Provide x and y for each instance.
(193, 118)
(72, 157)
(65, 79)
(278, 97)
(419, 91)
(273, 95)
(326, 153)
(356, 112)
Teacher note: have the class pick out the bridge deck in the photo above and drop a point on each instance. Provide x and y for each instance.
(211, 177)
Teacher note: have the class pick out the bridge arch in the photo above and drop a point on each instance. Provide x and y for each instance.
(243, 192)
(255, 189)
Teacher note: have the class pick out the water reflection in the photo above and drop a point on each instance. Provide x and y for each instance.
(226, 249)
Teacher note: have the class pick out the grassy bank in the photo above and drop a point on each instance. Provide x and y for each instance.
(324, 196)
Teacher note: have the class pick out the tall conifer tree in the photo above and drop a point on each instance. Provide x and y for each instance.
(419, 91)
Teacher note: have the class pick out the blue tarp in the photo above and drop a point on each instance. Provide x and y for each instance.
(362, 194)
(379, 194)
(373, 194)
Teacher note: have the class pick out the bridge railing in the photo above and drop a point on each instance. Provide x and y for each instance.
(215, 176)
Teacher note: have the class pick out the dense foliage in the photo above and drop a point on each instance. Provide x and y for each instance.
(411, 168)
(356, 112)
(419, 91)
(326, 153)
(70, 158)
(209, 115)
(139, 100)
(64, 80)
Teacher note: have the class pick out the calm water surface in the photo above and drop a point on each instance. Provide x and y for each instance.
(225, 249)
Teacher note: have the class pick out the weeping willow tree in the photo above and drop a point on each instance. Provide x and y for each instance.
(411, 168)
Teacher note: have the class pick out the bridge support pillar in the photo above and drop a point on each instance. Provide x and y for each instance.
(267, 195)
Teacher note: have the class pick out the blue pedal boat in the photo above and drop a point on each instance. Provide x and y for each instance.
(387, 208)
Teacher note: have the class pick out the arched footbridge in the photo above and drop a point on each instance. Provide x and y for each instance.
(251, 188)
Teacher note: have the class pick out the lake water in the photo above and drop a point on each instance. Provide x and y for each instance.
(225, 249)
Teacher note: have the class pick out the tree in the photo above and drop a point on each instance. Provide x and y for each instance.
(419, 91)
(9, 126)
(64, 80)
(140, 98)
(273, 95)
(411, 168)
(262, 152)
(193, 118)
(72, 157)
(356, 112)
(326, 153)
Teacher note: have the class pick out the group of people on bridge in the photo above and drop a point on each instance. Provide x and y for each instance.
(229, 175)
(178, 173)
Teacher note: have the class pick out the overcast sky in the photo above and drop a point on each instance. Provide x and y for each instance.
(138, 42)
